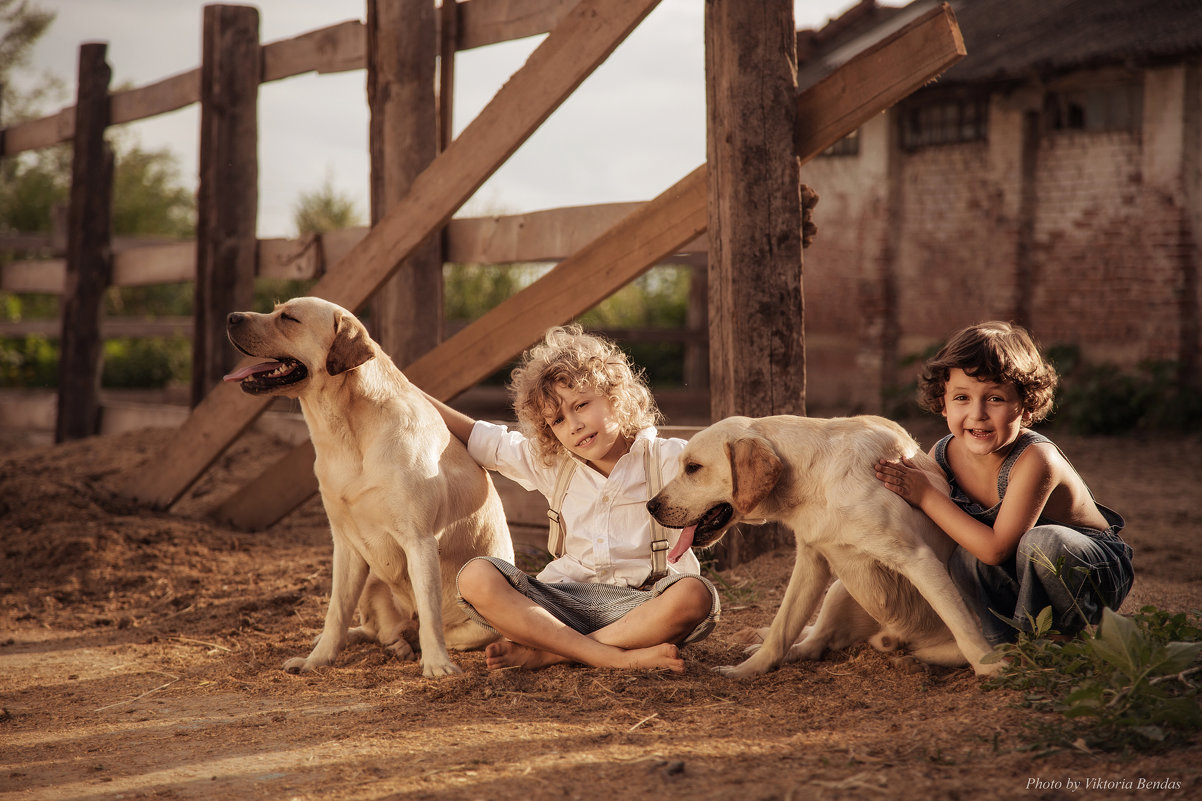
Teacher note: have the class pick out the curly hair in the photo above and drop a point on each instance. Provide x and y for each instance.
(570, 358)
(994, 351)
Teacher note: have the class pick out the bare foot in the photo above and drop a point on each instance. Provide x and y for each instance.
(657, 656)
(507, 654)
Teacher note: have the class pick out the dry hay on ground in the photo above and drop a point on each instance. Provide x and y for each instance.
(141, 659)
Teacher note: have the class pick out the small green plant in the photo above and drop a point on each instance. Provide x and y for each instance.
(1129, 684)
(733, 595)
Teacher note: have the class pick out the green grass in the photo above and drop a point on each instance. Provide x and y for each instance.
(1129, 684)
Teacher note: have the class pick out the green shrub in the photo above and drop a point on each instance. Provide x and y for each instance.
(1131, 684)
(29, 361)
(145, 363)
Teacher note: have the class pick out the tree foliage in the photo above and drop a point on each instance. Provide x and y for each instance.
(21, 24)
(324, 209)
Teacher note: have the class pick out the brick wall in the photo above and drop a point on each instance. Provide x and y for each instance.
(913, 246)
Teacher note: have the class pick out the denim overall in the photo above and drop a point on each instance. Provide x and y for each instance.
(1073, 569)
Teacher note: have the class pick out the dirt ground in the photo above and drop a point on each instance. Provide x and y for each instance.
(140, 657)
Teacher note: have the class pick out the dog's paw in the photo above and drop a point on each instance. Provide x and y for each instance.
(402, 651)
(361, 634)
(438, 670)
(739, 671)
(989, 668)
(910, 664)
(298, 665)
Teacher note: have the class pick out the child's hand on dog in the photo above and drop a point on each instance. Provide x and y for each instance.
(905, 479)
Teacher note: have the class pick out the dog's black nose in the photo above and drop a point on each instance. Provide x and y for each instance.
(653, 505)
(234, 318)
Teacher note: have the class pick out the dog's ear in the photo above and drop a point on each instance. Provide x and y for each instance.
(754, 469)
(351, 346)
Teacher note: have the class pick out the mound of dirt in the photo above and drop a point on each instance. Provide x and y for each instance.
(142, 649)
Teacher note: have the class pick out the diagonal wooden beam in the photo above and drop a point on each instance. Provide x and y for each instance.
(657, 230)
(569, 54)
(828, 112)
(878, 77)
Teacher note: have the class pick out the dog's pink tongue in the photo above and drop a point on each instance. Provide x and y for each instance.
(682, 544)
(243, 372)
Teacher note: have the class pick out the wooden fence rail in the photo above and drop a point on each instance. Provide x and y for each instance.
(336, 48)
(541, 236)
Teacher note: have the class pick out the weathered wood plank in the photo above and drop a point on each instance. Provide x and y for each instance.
(582, 40)
(548, 235)
(537, 236)
(39, 133)
(485, 22)
(227, 198)
(295, 259)
(89, 260)
(757, 335)
(169, 94)
(43, 275)
(877, 78)
(406, 310)
(336, 48)
(170, 263)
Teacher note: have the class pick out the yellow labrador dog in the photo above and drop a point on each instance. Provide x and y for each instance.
(407, 504)
(816, 476)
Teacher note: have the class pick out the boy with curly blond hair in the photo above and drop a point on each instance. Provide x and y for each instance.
(601, 602)
(1029, 533)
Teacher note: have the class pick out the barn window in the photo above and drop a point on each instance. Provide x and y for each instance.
(944, 122)
(1095, 109)
(847, 146)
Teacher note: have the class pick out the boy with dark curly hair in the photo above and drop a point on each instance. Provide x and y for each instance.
(1029, 532)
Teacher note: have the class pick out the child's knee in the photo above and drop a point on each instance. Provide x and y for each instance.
(1044, 548)
(477, 580)
(693, 599)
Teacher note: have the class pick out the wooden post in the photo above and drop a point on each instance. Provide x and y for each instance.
(228, 195)
(448, 43)
(89, 255)
(406, 312)
(757, 344)
(697, 352)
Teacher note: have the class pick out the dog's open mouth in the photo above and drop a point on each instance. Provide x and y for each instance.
(705, 532)
(268, 376)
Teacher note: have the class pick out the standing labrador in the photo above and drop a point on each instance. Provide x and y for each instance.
(407, 505)
(816, 476)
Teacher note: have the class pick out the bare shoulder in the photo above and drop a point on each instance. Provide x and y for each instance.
(1069, 498)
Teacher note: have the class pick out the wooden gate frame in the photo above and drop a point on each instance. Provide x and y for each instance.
(866, 85)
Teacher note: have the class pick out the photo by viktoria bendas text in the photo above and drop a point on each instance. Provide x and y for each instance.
(1093, 783)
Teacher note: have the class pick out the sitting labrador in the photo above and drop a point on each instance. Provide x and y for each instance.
(815, 475)
(407, 505)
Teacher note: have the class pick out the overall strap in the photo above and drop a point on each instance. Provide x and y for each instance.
(556, 536)
(659, 535)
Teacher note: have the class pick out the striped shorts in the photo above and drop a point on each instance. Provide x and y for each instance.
(587, 607)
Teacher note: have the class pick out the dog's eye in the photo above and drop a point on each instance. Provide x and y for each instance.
(691, 468)
(288, 317)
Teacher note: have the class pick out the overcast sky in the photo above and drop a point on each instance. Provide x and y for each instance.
(635, 127)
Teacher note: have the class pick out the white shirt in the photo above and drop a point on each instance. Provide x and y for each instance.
(607, 526)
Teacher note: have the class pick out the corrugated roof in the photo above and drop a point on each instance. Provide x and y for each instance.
(1009, 39)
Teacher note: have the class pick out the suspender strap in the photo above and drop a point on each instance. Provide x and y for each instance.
(557, 533)
(659, 535)
(556, 536)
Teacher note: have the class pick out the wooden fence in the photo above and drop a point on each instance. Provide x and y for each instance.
(761, 129)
